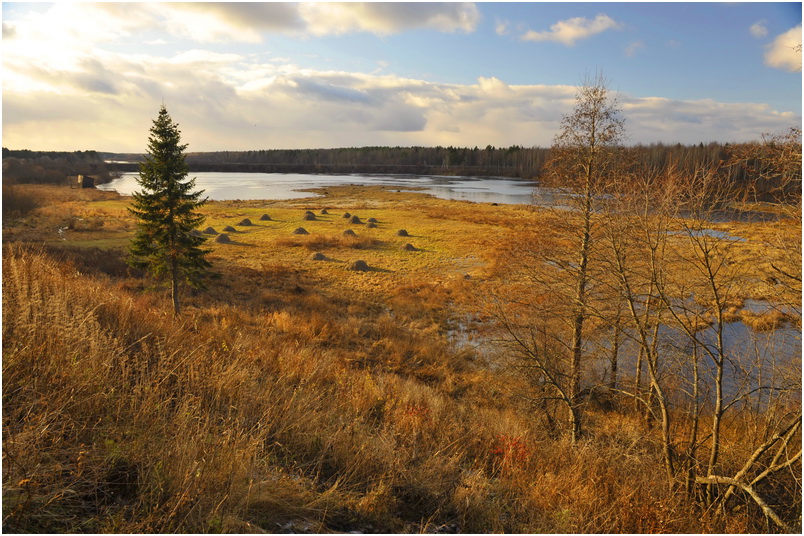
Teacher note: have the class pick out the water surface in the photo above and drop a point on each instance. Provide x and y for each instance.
(221, 186)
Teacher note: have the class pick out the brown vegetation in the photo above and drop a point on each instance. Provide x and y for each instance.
(359, 266)
(17, 202)
(296, 396)
(137, 422)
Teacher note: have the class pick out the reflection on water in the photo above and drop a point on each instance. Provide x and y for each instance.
(712, 233)
(756, 362)
(220, 186)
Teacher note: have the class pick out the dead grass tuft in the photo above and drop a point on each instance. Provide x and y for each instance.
(763, 322)
(325, 241)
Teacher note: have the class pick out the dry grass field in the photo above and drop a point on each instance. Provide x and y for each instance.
(298, 395)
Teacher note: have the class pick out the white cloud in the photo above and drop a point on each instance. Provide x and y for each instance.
(633, 48)
(9, 32)
(570, 31)
(382, 18)
(64, 89)
(67, 26)
(667, 120)
(501, 27)
(758, 29)
(785, 51)
(230, 102)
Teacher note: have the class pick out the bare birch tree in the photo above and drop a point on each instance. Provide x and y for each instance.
(551, 330)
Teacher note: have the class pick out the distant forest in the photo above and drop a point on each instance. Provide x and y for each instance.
(742, 162)
(52, 167)
(514, 161)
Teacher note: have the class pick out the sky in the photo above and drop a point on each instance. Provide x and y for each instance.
(250, 76)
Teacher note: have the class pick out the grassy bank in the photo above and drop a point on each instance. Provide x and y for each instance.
(296, 395)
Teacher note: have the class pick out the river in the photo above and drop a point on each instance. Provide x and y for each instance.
(220, 186)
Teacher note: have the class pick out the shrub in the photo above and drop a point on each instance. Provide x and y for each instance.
(18, 202)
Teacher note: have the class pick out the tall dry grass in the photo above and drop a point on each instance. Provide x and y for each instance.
(302, 414)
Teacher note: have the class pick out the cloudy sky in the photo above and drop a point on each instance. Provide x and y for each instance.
(239, 76)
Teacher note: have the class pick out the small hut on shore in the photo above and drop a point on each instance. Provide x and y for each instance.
(82, 181)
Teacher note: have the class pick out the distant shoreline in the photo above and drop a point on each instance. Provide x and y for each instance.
(332, 169)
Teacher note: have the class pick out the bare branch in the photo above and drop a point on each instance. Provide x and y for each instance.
(767, 510)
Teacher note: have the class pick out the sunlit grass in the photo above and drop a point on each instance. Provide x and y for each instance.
(294, 394)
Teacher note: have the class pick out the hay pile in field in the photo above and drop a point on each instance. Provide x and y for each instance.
(402, 232)
(372, 220)
(347, 215)
(371, 225)
(223, 238)
(409, 247)
(300, 231)
(308, 216)
(246, 222)
(210, 230)
(324, 211)
(265, 217)
(359, 266)
(230, 229)
(196, 232)
(355, 219)
(317, 256)
(349, 232)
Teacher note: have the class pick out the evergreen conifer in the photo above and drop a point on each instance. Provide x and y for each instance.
(166, 212)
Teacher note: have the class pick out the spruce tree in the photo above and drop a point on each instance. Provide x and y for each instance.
(166, 212)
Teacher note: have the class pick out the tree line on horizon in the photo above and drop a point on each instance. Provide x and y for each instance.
(52, 167)
(513, 161)
(741, 163)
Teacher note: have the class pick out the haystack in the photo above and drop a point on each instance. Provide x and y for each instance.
(359, 266)
(210, 230)
(265, 217)
(409, 247)
(317, 256)
(355, 219)
(349, 232)
(402, 232)
(347, 215)
(246, 222)
(223, 238)
(230, 229)
(372, 220)
(371, 225)
(196, 232)
(308, 216)
(324, 211)
(300, 230)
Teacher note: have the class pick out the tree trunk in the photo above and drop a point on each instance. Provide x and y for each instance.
(580, 311)
(615, 351)
(575, 422)
(174, 287)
